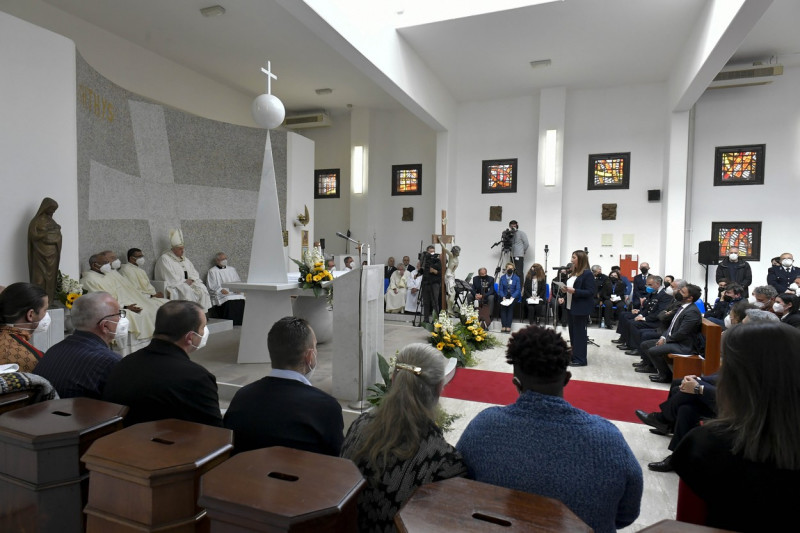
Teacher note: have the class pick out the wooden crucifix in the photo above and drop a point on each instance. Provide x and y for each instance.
(443, 239)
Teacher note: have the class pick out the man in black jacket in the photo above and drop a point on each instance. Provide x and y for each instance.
(160, 381)
(283, 408)
(735, 270)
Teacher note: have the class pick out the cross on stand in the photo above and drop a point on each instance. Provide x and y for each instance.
(443, 239)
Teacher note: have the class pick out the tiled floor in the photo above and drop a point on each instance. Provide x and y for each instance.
(606, 365)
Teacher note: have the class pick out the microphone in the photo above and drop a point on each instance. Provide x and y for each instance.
(586, 249)
(343, 236)
(546, 248)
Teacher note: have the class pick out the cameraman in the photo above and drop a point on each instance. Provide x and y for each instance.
(431, 283)
(519, 246)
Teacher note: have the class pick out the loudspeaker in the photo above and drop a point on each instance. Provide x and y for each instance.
(654, 195)
(707, 253)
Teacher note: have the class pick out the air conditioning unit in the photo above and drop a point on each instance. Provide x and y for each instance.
(746, 76)
(307, 120)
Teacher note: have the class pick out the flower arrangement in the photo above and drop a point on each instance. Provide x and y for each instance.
(313, 273)
(444, 420)
(67, 290)
(450, 340)
(477, 337)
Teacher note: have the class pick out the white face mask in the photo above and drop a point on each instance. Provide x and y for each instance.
(203, 338)
(140, 261)
(313, 369)
(734, 257)
(727, 321)
(669, 290)
(223, 263)
(115, 264)
(122, 328)
(105, 269)
(787, 262)
(43, 324)
(758, 304)
(778, 307)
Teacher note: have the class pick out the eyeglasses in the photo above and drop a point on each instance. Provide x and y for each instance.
(121, 313)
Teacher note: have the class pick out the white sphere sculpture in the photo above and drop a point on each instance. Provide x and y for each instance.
(268, 111)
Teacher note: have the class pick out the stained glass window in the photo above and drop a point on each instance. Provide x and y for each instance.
(499, 175)
(326, 183)
(609, 171)
(406, 180)
(744, 238)
(739, 165)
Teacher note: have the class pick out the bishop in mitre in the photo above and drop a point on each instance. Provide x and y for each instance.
(180, 277)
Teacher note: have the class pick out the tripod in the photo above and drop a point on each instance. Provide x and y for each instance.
(505, 254)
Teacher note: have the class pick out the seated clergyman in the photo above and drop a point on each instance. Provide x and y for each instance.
(229, 304)
(179, 274)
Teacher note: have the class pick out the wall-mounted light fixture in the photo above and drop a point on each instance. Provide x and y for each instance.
(359, 174)
(550, 151)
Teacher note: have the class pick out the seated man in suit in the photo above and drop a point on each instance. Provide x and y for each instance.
(283, 408)
(483, 285)
(160, 381)
(680, 336)
(783, 275)
(646, 317)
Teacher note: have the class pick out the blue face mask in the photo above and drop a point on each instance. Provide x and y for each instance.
(650, 290)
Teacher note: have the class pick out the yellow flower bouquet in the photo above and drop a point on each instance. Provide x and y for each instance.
(313, 274)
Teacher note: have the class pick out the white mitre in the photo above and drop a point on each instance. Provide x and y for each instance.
(175, 238)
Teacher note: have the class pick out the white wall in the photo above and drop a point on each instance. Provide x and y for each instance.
(622, 119)
(498, 129)
(38, 143)
(770, 115)
(137, 69)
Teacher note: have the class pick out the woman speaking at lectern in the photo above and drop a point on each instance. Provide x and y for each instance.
(580, 289)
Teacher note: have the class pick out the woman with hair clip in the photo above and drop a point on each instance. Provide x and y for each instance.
(580, 289)
(535, 287)
(397, 446)
(745, 464)
(23, 312)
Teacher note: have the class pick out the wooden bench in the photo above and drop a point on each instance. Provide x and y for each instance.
(695, 364)
(15, 400)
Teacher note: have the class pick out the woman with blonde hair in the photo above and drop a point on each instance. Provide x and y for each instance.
(510, 290)
(581, 289)
(397, 446)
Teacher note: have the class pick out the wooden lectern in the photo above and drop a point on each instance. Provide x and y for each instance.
(464, 505)
(43, 485)
(145, 477)
(281, 489)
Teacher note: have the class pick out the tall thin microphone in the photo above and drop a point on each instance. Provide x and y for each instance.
(343, 236)
(546, 248)
(586, 249)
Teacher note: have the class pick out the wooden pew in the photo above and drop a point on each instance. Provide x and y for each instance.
(15, 400)
(695, 364)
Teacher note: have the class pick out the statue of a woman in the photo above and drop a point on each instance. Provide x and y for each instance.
(450, 276)
(44, 248)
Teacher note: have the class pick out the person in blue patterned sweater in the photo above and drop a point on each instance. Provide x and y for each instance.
(543, 445)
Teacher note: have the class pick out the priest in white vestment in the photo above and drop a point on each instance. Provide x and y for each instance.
(413, 284)
(101, 277)
(228, 304)
(145, 300)
(179, 275)
(135, 273)
(395, 296)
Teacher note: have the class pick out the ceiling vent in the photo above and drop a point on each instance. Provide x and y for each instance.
(746, 76)
(307, 120)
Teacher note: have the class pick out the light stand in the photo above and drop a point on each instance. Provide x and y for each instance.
(547, 304)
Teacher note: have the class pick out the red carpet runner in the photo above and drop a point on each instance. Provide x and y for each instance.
(614, 402)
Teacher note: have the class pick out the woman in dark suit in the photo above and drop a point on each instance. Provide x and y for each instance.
(581, 289)
(509, 286)
(535, 286)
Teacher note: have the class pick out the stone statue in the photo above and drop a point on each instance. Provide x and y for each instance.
(450, 276)
(44, 248)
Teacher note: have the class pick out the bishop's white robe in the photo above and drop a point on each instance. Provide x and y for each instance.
(174, 271)
(413, 282)
(137, 277)
(217, 279)
(142, 324)
(395, 296)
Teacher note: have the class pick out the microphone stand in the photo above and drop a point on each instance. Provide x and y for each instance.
(547, 304)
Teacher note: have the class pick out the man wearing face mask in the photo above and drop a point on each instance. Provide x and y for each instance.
(160, 381)
(783, 275)
(283, 408)
(79, 365)
(101, 278)
(733, 294)
(640, 285)
(764, 297)
(135, 273)
(228, 304)
(735, 270)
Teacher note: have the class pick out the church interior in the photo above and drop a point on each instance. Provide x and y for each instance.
(406, 122)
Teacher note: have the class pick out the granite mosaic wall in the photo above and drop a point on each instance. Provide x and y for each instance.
(144, 168)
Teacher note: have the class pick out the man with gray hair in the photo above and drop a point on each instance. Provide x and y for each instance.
(754, 315)
(765, 296)
(227, 304)
(79, 365)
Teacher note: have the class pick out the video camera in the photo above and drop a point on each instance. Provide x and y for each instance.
(506, 239)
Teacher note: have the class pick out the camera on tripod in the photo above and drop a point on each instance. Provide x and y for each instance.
(506, 239)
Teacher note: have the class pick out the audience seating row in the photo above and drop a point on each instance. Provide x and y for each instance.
(700, 365)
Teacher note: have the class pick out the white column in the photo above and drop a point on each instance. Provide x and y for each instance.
(549, 199)
(674, 255)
